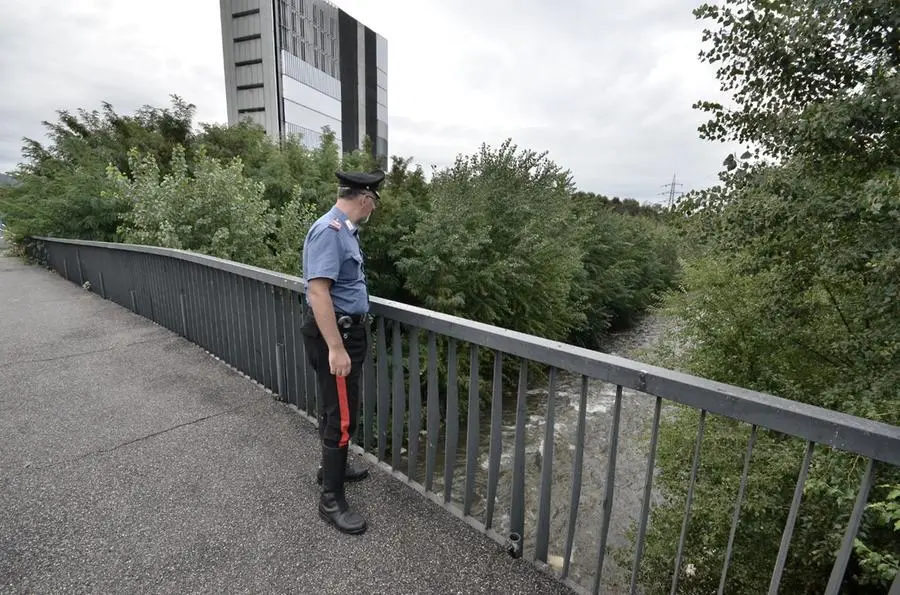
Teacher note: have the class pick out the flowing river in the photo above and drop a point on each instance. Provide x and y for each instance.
(631, 464)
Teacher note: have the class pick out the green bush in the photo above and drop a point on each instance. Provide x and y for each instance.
(217, 211)
(498, 243)
(63, 182)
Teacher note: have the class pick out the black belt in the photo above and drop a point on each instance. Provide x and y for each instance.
(348, 320)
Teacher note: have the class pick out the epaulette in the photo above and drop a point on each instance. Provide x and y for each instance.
(335, 224)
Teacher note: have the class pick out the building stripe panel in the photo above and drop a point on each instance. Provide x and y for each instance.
(305, 95)
(310, 118)
(349, 80)
(309, 75)
(370, 71)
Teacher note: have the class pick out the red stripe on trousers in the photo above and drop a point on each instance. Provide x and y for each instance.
(345, 410)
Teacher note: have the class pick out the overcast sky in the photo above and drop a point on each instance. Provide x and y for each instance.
(605, 87)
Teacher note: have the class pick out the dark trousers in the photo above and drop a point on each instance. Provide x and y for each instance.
(338, 401)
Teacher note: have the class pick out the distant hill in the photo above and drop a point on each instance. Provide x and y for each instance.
(5, 180)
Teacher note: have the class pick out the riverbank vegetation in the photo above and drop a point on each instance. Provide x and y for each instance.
(794, 291)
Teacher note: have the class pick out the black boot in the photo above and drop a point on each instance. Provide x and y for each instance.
(351, 473)
(332, 505)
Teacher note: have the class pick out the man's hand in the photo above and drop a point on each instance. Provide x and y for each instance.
(339, 361)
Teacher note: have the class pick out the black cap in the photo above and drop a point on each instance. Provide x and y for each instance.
(362, 180)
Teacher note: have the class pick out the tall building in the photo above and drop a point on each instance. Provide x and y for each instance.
(296, 66)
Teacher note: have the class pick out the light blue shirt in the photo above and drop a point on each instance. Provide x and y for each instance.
(331, 251)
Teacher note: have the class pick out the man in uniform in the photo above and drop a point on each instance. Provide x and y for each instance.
(335, 334)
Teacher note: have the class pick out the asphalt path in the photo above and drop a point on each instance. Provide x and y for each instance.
(131, 461)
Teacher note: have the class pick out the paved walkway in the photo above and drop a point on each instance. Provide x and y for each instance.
(133, 462)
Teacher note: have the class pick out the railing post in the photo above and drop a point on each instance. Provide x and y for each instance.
(369, 395)
(451, 423)
(608, 493)
(278, 316)
(471, 430)
(398, 405)
(184, 330)
(737, 510)
(384, 401)
(543, 531)
(840, 563)
(789, 525)
(415, 403)
(78, 263)
(496, 438)
(433, 416)
(687, 506)
(577, 469)
(279, 369)
(648, 491)
(517, 506)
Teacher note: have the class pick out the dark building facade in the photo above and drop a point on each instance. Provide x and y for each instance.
(298, 66)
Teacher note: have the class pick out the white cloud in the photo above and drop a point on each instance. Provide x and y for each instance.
(606, 89)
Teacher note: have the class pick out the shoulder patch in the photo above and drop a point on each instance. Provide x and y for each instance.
(335, 224)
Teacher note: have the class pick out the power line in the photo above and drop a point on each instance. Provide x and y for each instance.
(671, 186)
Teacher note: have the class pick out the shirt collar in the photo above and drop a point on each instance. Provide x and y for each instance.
(345, 220)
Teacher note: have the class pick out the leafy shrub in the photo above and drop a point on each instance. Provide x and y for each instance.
(217, 211)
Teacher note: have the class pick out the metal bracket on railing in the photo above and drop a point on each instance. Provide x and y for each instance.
(514, 545)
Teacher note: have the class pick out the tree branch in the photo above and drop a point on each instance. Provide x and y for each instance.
(837, 307)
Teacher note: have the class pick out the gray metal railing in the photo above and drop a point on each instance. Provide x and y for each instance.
(250, 318)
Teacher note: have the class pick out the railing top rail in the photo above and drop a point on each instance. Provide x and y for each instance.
(865, 437)
(246, 270)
